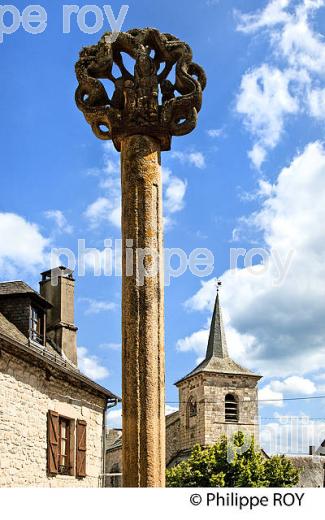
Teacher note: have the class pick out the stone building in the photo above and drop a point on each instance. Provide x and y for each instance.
(52, 417)
(218, 396)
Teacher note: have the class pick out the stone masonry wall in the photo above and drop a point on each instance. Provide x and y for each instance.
(209, 391)
(114, 463)
(172, 436)
(194, 432)
(215, 390)
(25, 398)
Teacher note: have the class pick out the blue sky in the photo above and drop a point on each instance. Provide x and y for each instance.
(252, 175)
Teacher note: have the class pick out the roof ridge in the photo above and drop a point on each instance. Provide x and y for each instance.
(11, 281)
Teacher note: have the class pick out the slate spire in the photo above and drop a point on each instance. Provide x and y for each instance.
(217, 359)
(217, 344)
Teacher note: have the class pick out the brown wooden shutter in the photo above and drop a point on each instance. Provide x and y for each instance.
(52, 442)
(81, 441)
(72, 428)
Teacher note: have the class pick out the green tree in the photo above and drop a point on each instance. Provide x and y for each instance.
(232, 464)
(280, 472)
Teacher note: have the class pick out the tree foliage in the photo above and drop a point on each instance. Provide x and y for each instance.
(232, 464)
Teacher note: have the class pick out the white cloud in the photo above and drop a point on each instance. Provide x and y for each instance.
(264, 100)
(215, 132)
(111, 346)
(279, 318)
(317, 103)
(300, 45)
(293, 79)
(114, 418)
(174, 191)
(196, 159)
(170, 409)
(23, 248)
(319, 377)
(60, 220)
(98, 211)
(107, 261)
(294, 385)
(174, 195)
(257, 155)
(273, 14)
(274, 392)
(291, 435)
(196, 342)
(97, 306)
(107, 207)
(90, 365)
(268, 396)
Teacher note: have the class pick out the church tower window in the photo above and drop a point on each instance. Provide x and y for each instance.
(231, 408)
(191, 411)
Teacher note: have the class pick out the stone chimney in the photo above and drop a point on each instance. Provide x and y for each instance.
(57, 287)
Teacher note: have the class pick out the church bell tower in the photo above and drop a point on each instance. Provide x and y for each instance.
(219, 396)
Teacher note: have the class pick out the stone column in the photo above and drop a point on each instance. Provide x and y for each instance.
(144, 112)
(142, 314)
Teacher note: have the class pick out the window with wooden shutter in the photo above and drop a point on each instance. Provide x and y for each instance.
(81, 448)
(60, 444)
(53, 442)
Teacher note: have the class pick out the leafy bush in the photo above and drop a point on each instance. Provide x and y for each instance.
(221, 465)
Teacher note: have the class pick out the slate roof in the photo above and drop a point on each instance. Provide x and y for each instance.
(116, 444)
(217, 358)
(16, 343)
(172, 417)
(19, 287)
(311, 470)
(11, 330)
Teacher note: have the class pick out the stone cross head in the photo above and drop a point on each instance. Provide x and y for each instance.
(143, 101)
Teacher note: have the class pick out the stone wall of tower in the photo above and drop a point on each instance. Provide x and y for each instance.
(191, 431)
(209, 391)
(216, 387)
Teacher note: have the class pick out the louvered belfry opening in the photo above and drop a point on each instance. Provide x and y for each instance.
(231, 408)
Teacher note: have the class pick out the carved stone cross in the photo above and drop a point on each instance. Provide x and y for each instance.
(143, 112)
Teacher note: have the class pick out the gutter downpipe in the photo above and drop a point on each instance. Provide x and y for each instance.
(108, 406)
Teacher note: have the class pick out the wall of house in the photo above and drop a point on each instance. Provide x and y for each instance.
(26, 395)
(114, 465)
